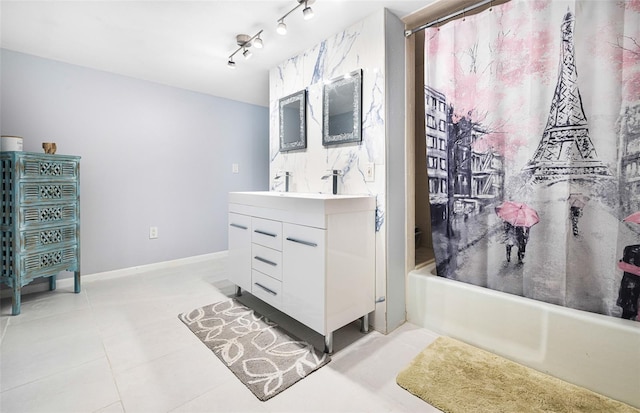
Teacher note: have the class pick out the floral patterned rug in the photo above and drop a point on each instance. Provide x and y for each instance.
(257, 351)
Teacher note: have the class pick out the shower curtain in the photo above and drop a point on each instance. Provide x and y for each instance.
(532, 118)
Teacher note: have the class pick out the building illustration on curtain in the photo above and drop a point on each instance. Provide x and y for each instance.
(566, 149)
(630, 159)
(507, 171)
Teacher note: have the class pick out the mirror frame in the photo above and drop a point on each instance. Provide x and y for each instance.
(354, 78)
(301, 142)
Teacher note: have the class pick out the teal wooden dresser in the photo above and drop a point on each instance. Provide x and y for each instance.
(40, 197)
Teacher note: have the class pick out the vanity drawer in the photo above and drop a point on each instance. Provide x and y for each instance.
(267, 261)
(267, 233)
(266, 288)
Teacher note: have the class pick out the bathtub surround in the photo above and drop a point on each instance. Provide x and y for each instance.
(374, 46)
(458, 378)
(591, 350)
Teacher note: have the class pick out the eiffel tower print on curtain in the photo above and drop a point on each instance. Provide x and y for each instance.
(566, 151)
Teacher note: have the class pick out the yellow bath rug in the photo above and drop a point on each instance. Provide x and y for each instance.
(458, 378)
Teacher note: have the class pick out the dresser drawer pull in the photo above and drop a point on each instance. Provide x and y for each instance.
(299, 241)
(238, 226)
(269, 234)
(270, 291)
(266, 261)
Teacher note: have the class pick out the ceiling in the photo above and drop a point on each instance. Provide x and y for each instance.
(185, 44)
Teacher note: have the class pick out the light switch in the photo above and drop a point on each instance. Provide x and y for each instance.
(234, 168)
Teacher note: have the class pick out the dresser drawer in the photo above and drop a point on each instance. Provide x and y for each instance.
(39, 167)
(47, 214)
(48, 237)
(49, 261)
(267, 233)
(266, 288)
(267, 261)
(48, 191)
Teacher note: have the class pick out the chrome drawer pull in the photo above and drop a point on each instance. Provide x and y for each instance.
(238, 226)
(270, 291)
(266, 261)
(299, 241)
(265, 233)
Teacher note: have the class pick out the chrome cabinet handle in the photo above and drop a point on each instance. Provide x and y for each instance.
(266, 261)
(299, 241)
(269, 234)
(270, 291)
(238, 226)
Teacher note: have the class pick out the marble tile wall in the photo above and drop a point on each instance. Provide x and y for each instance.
(361, 46)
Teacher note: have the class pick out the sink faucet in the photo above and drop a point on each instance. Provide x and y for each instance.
(287, 176)
(334, 173)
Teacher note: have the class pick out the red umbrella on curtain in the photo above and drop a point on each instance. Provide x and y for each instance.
(635, 217)
(517, 214)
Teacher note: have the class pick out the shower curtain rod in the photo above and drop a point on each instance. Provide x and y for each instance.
(408, 33)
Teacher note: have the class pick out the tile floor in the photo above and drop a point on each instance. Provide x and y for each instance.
(118, 346)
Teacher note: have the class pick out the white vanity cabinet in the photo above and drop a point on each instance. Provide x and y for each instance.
(312, 256)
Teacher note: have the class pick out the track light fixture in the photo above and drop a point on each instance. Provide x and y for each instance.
(282, 28)
(244, 43)
(257, 42)
(307, 13)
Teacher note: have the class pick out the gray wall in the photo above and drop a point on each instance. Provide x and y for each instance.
(151, 155)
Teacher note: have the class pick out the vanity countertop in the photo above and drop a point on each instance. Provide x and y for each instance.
(312, 207)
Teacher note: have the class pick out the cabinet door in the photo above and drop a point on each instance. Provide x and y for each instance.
(239, 260)
(303, 274)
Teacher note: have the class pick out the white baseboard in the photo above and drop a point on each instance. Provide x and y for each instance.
(43, 283)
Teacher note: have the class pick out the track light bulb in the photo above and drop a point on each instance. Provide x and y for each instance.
(247, 53)
(282, 28)
(257, 42)
(307, 12)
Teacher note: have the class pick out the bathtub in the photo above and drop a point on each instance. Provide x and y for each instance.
(594, 351)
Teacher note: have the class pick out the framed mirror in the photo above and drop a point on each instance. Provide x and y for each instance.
(342, 109)
(293, 122)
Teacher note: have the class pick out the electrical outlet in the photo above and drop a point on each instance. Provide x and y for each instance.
(235, 168)
(369, 172)
(153, 232)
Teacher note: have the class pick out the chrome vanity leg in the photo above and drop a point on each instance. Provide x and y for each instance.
(328, 343)
(238, 291)
(364, 323)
